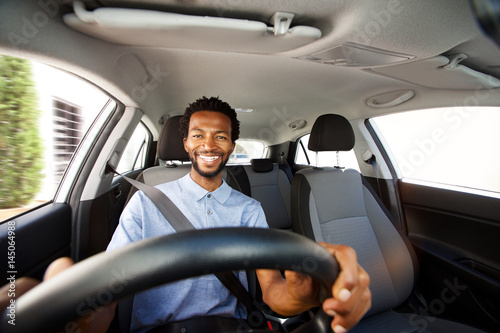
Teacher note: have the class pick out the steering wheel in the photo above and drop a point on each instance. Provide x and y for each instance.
(107, 277)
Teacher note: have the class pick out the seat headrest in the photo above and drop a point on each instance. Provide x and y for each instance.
(170, 144)
(331, 132)
(262, 164)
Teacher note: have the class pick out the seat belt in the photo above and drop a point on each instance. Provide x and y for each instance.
(180, 223)
(285, 166)
(369, 158)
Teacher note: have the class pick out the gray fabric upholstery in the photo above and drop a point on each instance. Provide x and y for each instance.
(399, 264)
(390, 321)
(339, 211)
(334, 205)
(387, 321)
(170, 147)
(272, 190)
(161, 174)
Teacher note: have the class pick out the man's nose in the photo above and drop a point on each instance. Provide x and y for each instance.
(209, 143)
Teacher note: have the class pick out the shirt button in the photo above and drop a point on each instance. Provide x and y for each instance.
(209, 212)
(209, 196)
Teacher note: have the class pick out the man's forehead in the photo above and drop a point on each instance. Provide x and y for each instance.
(209, 118)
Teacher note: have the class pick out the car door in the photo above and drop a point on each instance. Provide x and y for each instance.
(448, 182)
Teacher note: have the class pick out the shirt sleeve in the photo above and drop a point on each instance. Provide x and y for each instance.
(254, 217)
(129, 228)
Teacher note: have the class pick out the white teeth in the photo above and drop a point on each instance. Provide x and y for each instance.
(209, 158)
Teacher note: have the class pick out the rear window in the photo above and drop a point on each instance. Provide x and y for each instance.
(304, 156)
(245, 150)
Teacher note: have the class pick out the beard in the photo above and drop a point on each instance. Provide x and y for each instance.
(211, 173)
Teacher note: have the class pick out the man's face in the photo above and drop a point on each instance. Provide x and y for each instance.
(208, 142)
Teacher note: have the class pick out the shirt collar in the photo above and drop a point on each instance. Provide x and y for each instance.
(221, 194)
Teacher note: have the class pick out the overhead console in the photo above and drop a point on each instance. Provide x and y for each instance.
(151, 28)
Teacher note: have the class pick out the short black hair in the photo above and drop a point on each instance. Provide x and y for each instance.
(210, 104)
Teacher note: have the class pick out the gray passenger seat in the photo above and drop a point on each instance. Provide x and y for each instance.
(335, 205)
(271, 187)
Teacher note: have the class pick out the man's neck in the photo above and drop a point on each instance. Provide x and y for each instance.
(209, 184)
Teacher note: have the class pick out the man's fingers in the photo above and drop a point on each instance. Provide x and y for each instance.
(359, 305)
(14, 290)
(351, 294)
(348, 308)
(347, 260)
(24, 284)
(57, 266)
(294, 278)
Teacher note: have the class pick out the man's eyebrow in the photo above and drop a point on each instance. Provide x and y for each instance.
(202, 130)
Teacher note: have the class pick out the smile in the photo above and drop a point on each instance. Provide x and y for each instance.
(209, 158)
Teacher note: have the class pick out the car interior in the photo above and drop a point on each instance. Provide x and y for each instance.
(368, 124)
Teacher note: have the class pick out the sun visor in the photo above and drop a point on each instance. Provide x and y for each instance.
(161, 29)
(440, 72)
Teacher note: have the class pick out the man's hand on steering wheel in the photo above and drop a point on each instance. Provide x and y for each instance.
(297, 292)
(351, 294)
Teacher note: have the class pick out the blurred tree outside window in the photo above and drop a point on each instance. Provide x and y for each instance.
(44, 114)
(20, 145)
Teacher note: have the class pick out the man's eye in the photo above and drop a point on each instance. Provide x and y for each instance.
(221, 138)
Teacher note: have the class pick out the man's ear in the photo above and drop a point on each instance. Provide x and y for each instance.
(184, 140)
(232, 149)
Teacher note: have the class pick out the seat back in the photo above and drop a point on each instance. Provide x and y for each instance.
(271, 187)
(335, 206)
(170, 148)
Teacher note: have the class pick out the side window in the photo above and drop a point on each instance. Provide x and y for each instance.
(44, 113)
(304, 156)
(447, 146)
(134, 156)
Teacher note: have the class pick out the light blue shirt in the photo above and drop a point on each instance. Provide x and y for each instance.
(200, 296)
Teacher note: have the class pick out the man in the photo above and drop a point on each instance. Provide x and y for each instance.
(210, 128)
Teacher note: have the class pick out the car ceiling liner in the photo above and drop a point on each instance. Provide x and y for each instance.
(159, 29)
(151, 28)
(440, 72)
